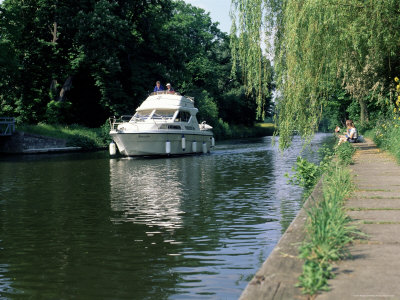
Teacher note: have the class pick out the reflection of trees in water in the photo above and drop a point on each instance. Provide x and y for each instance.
(206, 211)
(214, 205)
(180, 225)
(288, 195)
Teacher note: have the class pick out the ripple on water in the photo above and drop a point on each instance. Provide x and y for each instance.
(193, 227)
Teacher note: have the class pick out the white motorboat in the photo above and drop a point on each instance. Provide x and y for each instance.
(164, 124)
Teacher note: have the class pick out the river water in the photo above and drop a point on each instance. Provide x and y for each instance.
(84, 226)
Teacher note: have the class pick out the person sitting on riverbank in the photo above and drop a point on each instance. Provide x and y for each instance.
(351, 134)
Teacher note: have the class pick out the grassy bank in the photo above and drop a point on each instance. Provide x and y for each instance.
(386, 135)
(328, 232)
(93, 138)
(75, 135)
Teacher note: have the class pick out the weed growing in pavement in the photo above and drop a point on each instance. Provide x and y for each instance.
(328, 231)
(344, 153)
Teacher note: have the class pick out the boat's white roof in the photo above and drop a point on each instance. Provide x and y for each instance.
(162, 100)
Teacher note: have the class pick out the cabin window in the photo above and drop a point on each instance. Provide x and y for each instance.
(163, 114)
(175, 127)
(143, 114)
(183, 116)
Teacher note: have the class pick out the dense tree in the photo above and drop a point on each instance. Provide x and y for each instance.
(320, 45)
(81, 61)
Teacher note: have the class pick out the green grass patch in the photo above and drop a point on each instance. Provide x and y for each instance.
(328, 231)
(345, 152)
(386, 135)
(328, 228)
(270, 126)
(75, 135)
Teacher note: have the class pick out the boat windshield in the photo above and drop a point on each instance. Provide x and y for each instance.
(183, 116)
(163, 114)
(142, 115)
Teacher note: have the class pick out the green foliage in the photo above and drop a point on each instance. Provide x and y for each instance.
(315, 276)
(208, 110)
(328, 231)
(103, 58)
(386, 132)
(306, 174)
(75, 135)
(386, 135)
(225, 131)
(336, 111)
(320, 46)
(57, 112)
(344, 153)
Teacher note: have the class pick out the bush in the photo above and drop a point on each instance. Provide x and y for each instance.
(344, 153)
(386, 135)
(306, 174)
(57, 112)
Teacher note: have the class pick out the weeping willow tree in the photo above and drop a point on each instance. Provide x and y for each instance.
(246, 41)
(318, 45)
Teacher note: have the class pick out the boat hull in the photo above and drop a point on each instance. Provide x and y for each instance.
(150, 143)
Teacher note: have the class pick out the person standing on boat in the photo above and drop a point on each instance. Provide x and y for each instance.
(158, 87)
(170, 89)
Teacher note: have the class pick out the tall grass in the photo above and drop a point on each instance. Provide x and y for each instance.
(75, 135)
(344, 153)
(386, 135)
(328, 231)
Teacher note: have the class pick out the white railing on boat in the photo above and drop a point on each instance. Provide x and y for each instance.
(165, 93)
(115, 121)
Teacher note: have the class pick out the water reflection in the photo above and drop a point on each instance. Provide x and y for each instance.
(86, 226)
(147, 191)
(287, 195)
(224, 212)
(5, 283)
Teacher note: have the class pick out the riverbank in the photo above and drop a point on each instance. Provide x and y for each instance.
(28, 143)
(44, 138)
(371, 269)
(57, 138)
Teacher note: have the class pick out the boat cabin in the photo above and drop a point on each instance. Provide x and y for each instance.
(160, 107)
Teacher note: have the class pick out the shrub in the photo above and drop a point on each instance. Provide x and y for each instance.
(344, 153)
(306, 174)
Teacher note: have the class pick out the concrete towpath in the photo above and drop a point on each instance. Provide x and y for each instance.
(373, 270)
